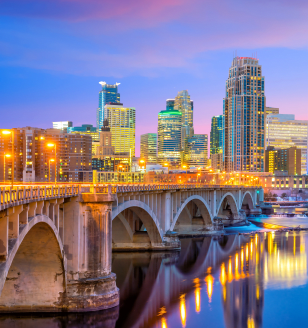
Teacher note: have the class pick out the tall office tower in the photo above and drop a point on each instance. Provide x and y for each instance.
(183, 104)
(122, 122)
(89, 130)
(216, 136)
(63, 125)
(244, 106)
(108, 94)
(170, 104)
(148, 147)
(169, 137)
(32, 156)
(283, 131)
(196, 150)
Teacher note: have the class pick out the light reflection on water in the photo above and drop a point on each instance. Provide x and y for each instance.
(233, 281)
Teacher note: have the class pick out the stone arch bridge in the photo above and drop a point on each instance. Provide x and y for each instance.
(56, 241)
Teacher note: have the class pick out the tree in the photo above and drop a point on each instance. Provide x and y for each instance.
(284, 195)
(275, 195)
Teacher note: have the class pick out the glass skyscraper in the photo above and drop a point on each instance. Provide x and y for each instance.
(196, 149)
(108, 94)
(244, 106)
(169, 137)
(216, 142)
(148, 147)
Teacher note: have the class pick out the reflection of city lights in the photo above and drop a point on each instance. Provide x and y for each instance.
(223, 277)
(209, 283)
(224, 292)
(258, 292)
(247, 252)
(198, 299)
(230, 275)
(163, 323)
(250, 322)
(183, 310)
(237, 275)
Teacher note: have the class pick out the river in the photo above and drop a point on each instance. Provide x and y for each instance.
(237, 280)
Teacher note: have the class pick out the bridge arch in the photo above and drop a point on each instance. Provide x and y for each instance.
(227, 204)
(202, 206)
(146, 215)
(247, 200)
(34, 273)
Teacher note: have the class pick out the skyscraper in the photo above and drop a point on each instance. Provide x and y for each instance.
(148, 147)
(283, 131)
(108, 94)
(169, 137)
(216, 142)
(183, 104)
(196, 150)
(122, 123)
(244, 106)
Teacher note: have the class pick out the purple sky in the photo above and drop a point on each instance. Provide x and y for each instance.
(54, 53)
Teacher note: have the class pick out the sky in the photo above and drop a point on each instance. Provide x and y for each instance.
(53, 54)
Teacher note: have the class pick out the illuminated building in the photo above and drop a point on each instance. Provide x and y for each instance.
(195, 151)
(148, 147)
(283, 131)
(32, 156)
(122, 126)
(183, 104)
(87, 129)
(169, 137)
(217, 161)
(216, 136)
(271, 110)
(244, 116)
(285, 160)
(108, 94)
(62, 125)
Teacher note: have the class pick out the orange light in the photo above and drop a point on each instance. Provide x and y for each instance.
(50, 145)
(51, 160)
(6, 132)
(142, 161)
(7, 155)
(166, 164)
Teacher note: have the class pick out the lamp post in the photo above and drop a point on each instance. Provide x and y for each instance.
(12, 134)
(51, 160)
(5, 155)
(142, 164)
(55, 146)
(198, 176)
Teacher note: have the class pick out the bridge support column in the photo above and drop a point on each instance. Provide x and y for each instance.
(4, 235)
(91, 286)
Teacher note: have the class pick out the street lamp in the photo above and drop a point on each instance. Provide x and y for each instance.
(12, 134)
(142, 164)
(185, 168)
(51, 160)
(55, 146)
(198, 176)
(4, 156)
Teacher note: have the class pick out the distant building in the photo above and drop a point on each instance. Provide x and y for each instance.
(148, 147)
(122, 123)
(283, 132)
(244, 114)
(216, 136)
(35, 162)
(217, 161)
(283, 160)
(87, 129)
(169, 137)
(196, 150)
(183, 104)
(62, 125)
(108, 94)
(271, 110)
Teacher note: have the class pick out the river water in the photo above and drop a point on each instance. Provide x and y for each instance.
(237, 280)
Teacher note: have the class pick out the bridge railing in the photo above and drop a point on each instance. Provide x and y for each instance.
(9, 195)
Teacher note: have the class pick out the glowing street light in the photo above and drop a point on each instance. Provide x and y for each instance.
(6, 132)
(55, 146)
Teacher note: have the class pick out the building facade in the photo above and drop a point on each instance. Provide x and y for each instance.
(34, 161)
(244, 110)
(148, 147)
(169, 137)
(62, 125)
(108, 94)
(283, 132)
(283, 160)
(216, 161)
(216, 136)
(89, 130)
(196, 150)
(122, 123)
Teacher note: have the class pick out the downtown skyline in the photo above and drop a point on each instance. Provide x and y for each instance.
(56, 69)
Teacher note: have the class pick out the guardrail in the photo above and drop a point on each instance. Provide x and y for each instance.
(21, 194)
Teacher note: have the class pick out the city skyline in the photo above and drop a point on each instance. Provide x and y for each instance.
(56, 69)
